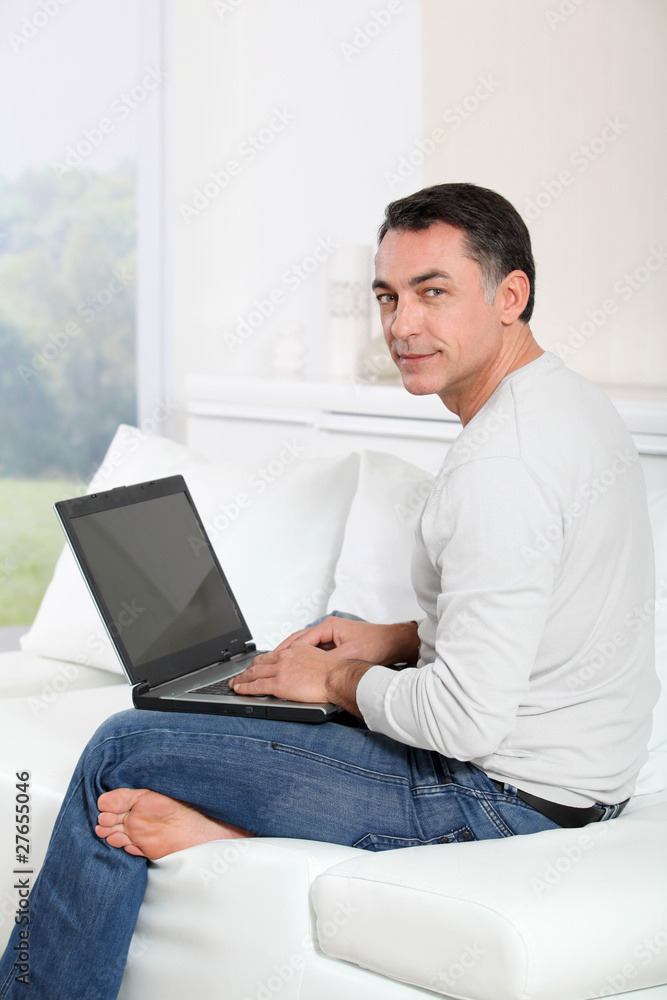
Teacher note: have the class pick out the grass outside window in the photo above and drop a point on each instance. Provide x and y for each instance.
(31, 540)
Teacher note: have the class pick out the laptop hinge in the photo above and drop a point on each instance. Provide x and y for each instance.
(142, 688)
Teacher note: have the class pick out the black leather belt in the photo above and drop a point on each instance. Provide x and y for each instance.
(567, 816)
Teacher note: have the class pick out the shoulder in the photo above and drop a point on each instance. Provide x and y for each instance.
(554, 421)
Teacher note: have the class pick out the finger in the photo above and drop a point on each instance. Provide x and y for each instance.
(304, 635)
(262, 663)
(262, 685)
(321, 634)
(261, 666)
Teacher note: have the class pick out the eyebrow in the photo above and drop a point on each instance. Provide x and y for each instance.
(417, 280)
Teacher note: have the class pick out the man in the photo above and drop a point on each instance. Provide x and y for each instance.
(530, 706)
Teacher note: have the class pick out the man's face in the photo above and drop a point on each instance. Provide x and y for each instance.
(442, 335)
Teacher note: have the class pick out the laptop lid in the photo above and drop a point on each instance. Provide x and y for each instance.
(155, 579)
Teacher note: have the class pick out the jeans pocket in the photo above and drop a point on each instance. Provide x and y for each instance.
(383, 842)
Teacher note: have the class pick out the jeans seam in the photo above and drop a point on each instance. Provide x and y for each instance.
(392, 779)
(496, 818)
(4, 987)
(174, 732)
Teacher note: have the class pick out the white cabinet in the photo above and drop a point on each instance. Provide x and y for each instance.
(240, 418)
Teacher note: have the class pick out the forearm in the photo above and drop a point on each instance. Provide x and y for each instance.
(341, 684)
(402, 642)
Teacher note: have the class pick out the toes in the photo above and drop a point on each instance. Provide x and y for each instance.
(131, 849)
(111, 819)
(118, 839)
(104, 831)
(119, 800)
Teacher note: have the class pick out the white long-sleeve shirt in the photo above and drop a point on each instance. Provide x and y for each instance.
(534, 567)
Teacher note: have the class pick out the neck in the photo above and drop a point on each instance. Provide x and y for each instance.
(521, 350)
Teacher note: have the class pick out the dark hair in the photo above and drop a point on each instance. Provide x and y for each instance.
(496, 236)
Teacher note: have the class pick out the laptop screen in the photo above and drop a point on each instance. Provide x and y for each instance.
(154, 571)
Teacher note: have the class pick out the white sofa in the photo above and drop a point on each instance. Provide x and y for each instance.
(559, 915)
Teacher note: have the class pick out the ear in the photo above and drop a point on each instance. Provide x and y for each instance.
(512, 295)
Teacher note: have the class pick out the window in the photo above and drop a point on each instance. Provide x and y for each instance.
(86, 92)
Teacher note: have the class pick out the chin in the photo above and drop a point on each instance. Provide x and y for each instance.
(418, 386)
(419, 390)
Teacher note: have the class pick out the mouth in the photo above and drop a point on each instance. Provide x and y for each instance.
(414, 359)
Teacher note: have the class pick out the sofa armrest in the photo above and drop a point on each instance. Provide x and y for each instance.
(562, 913)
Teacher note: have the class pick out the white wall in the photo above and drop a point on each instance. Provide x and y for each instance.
(354, 108)
(557, 72)
(517, 88)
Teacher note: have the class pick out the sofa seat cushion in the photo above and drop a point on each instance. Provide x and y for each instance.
(45, 738)
(563, 913)
(230, 918)
(42, 679)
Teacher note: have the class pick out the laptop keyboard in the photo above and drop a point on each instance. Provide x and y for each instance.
(217, 687)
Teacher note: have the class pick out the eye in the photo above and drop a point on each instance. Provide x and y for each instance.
(385, 297)
(434, 292)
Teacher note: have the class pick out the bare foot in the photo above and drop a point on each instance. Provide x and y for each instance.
(151, 825)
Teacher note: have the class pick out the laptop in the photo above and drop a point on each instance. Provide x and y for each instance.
(165, 602)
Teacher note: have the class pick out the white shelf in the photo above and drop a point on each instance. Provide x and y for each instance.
(381, 416)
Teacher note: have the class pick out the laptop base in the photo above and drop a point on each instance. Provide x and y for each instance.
(277, 711)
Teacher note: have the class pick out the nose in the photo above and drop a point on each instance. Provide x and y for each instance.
(405, 322)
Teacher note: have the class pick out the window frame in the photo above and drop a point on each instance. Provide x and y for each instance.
(155, 410)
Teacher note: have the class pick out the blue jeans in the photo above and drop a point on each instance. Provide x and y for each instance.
(329, 782)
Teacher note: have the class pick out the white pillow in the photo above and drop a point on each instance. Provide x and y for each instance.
(373, 572)
(277, 531)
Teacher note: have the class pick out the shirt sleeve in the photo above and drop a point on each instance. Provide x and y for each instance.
(494, 536)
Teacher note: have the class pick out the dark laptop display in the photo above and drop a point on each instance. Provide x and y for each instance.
(165, 600)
